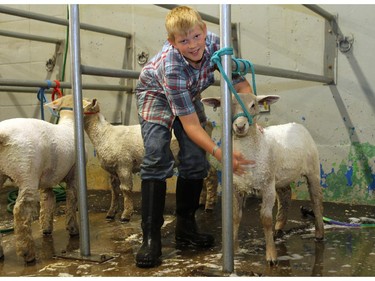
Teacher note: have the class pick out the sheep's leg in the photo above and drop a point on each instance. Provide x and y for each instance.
(203, 196)
(47, 210)
(268, 201)
(284, 196)
(128, 206)
(1, 247)
(316, 197)
(2, 180)
(211, 186)
(126, 187)
(71, 223)
(25, 211)
(238, 202)
(115, 193)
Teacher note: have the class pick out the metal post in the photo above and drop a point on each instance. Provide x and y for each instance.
(226, 111)
(74, 33)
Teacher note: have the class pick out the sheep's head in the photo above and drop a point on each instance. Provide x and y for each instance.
(240, 122)
(90, 107)
(65, 101)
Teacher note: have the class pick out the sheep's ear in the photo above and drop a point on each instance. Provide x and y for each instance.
(213, 102)
(268, 99)
(54, 104)
(95, 104)
(86, 103)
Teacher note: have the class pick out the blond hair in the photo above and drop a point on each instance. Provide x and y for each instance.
(181, 20)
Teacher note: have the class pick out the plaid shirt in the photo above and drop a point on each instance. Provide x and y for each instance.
(169, 86)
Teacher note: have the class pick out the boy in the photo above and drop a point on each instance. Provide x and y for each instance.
(168, 97)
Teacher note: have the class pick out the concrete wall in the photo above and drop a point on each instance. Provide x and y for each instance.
(340, 117)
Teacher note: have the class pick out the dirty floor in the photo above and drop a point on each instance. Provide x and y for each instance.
(346, 251)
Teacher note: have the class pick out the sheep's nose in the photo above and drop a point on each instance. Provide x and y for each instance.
(240, 127)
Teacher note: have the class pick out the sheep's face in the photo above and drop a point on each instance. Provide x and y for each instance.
(241, 124)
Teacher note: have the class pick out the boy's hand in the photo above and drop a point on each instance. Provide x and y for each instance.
(240, 163)
(260, 128)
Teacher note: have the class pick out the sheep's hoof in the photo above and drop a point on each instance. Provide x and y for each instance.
(110, 218)
(272, 263)
(124, 220)
(279, 234)
(74, 234)
(30, 262)
(47, 233)
(29, 259)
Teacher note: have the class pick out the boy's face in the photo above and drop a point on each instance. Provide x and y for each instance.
(192, 45)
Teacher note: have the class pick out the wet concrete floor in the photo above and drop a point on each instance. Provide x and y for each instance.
(346, 251)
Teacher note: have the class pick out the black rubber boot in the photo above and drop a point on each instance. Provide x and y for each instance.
(187, 202)
(153, 201)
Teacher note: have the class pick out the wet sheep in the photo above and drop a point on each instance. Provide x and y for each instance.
(37, 155)
(283, 154)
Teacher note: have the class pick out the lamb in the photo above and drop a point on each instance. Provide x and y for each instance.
(283, 154)
(120, 151)
(37, 155)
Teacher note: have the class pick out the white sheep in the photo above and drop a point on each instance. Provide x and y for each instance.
(37, 155)
(120, 151)
(283, 154)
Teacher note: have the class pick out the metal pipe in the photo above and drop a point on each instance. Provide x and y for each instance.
(115, 88)
(75, 47)
(320, 11)
(279, 72)
(63, 85)
(259, 69)
(227, 162)
(41, 17)
(30, 37)
(98, 71)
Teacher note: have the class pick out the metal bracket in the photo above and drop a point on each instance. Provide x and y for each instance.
(142, 58)
(345, 43)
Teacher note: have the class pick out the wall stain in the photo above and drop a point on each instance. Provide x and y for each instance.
(353, 182)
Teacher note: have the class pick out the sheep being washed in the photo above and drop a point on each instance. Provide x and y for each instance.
(283, 154)
(37, 155)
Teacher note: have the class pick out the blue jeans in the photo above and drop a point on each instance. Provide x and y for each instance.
(158, 161)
